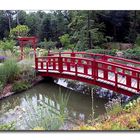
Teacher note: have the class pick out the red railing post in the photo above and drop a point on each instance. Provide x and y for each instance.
(105, 66)
(73, 61)
(116, 80)
(76, 70)
(128, 81)
(60, 63)
(47, 66)
(42, 65)
(94, 69)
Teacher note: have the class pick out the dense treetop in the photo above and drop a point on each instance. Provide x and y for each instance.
(81, 29)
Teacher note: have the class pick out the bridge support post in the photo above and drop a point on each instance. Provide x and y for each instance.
(94, 70)
(60, 63)
(116, 81)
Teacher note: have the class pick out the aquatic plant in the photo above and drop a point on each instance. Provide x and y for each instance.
(44, 116)
(9, 126)
(20, 86)
(123, 120)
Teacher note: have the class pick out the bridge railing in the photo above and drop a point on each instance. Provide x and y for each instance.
(103, 57)
(117, 75)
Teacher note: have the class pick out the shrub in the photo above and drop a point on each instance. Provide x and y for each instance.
(11, 70)
(47, 44)
(7, 45)
(102, 51)
(27, 73)
(20, 86)
(19, 30)
(132, 53)
(114, 107)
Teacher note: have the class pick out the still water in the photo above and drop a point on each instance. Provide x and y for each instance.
(80, 106)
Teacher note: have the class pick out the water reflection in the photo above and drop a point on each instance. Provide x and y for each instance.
(79, 105)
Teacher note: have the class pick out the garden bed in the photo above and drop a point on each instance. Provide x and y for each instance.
(7, 91)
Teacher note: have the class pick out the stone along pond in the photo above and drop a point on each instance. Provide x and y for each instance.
(80, 106)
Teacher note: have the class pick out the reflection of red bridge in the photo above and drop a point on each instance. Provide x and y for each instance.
(105, 71)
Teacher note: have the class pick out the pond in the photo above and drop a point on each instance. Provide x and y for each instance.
(80, 105)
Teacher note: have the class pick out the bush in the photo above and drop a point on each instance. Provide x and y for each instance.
(7, 45)
(10, 70)
(27, 73)
(132, 53)
(20, 86)
(47, 44)
(102, 51)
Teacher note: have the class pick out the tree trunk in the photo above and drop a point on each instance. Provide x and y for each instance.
(89, 34)
(17, 18)
(9, 22)
(135, 21)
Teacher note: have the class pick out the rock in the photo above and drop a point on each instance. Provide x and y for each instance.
(7, 90)
(119, 54)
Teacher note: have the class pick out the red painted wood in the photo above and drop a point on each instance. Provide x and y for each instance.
(23, 41)
(94, 62)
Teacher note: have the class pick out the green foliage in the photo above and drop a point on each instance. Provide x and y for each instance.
(8, 126)
(120, 118)
(129, 106)
(20, 86)
(114, 107)
(137, 42)
(19, 31)
(27, 73)
(65, 40)
(47, 44)
(98, 37)
(7, 45)
(132, 53)
(9, 71)
(46, 117)
(1, 87)
(103, 51)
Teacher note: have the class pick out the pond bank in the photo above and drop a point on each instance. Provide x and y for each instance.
(7, 89)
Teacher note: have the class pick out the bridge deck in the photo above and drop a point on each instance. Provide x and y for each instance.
(111, 77)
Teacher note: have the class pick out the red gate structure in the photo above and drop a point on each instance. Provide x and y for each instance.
(114, 73)
(23, 41)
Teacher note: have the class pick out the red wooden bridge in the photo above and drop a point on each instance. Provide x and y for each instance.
(114, 73)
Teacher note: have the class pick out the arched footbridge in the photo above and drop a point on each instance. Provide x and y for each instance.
(114, 73)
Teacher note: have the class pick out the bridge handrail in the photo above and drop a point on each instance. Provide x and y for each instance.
(98, 61)
(93, 54)
(105, 58)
